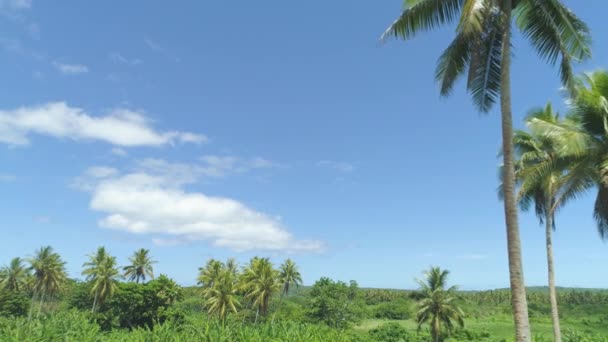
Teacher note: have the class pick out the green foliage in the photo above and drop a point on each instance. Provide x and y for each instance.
(575, 336)
(13, 304)
(76, 327)
(141, 305)
(395, 332)
(335, 303)
(397, 309)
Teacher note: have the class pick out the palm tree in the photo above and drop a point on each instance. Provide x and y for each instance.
(436, 304)
(140, 267)
(288, 276)
(585, 139)
(482, 49)
(14, 277)
(93, 267)
(105, 282)
(49, 274)
(260, 281)
(544, 181)
(208, 275)
(222, 295)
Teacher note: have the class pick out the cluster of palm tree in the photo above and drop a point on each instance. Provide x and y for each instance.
(481, 50)
(224, 286)
(46, 275)
(559, 159)
(437, 305)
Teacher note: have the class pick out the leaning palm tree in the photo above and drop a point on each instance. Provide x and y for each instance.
(49, 275)
(14, 277)
(140, 267)
(543, 174)
(260, 282)
(437, 305)
(482, 50)
(221, 297)
(105, 282)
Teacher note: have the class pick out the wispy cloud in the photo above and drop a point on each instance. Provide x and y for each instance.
(6, 178)
(43, 219)
(153, 203)
(71, 69)
(155, 46)
(121, 127)
(117, 151)
(15, 5)
(120, 59)
(336, 165)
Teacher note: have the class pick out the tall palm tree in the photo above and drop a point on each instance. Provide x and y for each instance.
(140, 267)
(482, 49)
(49, 274)
(584, 140)
(208, 275)
(222, 295)
(437, 305)
(14, 277)
(105, 282)
(92, 268)
(260, 281)
(542, 173)
(288, 276)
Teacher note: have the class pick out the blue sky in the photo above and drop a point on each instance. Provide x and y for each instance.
(217, 129)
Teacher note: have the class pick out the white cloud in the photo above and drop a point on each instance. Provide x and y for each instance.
(118, 58)
(155, 204)
(336, 165)
(71, 69)
(6, 178)
(16, 4)
(120, 127)
(117, 151)
(101, 171)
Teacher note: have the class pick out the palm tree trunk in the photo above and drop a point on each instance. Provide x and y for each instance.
(29, 316)
(435, 329)
(557, 335)
(41, 302)
(95, 300)
(257, 313)
(278, 308)
(518, 290)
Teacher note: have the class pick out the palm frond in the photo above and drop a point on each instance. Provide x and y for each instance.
(422, 15)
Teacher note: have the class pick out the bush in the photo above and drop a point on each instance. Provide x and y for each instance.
(335, 303)
(13, 304)
(398, 309)
(395, 332)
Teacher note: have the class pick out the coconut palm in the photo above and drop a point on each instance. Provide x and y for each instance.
(482, 50)
(289, 275)
(221, 297)
(105, 282)
(140, 267)
(14, 277)
(585, 137)
(437, 305)
(49, 274)
(208, 275)
(542, 173)
(260, 281)
(92, 268)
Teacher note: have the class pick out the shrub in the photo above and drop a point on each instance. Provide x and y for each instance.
(13, 304)
(394, 332)
(398, 309)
